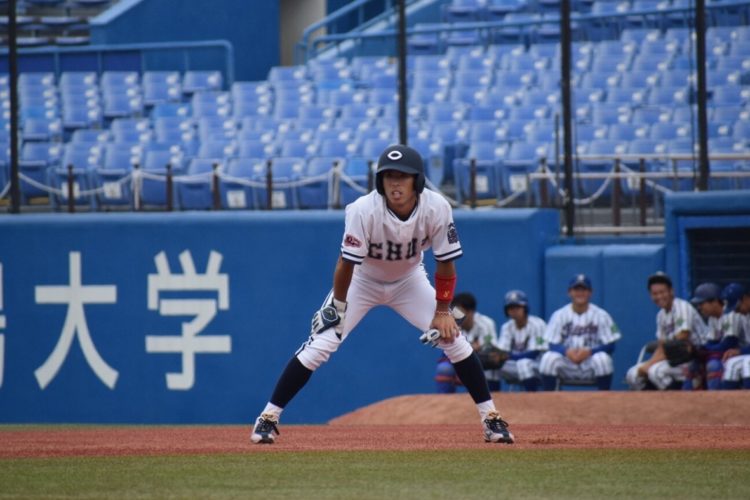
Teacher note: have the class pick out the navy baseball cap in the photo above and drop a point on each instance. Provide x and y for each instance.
(516, 298)
(732, 294)
(705, 292)
(401, 158)
(580, 281)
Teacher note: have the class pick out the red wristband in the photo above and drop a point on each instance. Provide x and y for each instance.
(444, 288)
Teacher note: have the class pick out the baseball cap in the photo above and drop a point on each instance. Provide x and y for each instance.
(516, 298)
(659, 277)
(401, 158)
(705, 292)
(580, 280)
(732, 294)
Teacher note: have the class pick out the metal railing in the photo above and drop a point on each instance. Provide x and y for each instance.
(187, 50)
(312, 48)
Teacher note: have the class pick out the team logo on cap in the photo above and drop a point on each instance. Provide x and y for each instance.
(395, 155)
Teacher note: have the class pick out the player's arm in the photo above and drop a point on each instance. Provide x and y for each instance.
(342, 278)
(445, 284)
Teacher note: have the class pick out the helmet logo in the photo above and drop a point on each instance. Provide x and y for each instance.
(395, 155)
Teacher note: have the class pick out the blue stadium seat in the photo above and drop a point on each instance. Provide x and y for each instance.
(161, 86)
(194, 187)
(37, 158)
(356, 169)
(196, 81)
(315, 193)
(153, 192)
(589, 187)
(522, 159)
(487, 156)
(85, 159)
(283, 171)
(237, 194)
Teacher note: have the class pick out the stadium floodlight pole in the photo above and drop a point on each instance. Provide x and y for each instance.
(15, 194)
(403, 135)
(700, 55)
(565, 61)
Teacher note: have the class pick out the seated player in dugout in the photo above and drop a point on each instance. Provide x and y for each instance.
(381, 263)
(581, 339)
(721, 335)
(677, 321)
(737, 359)
(481, 332)
(522, 342)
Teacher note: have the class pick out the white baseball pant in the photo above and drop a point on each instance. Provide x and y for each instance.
(661, 374)
(412, 297)
(557, 365)
(736, 368)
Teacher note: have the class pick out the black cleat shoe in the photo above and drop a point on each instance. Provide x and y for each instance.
(496, 429)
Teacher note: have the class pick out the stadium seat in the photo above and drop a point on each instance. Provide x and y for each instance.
(194, 187)
(235, 189)
(356, 171)
(314, 193)
(486, 156)
(283, 171)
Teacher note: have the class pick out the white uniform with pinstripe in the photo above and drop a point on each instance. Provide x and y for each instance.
(389, 271)
(681, 317)
(591, 329)
(517, 340)
(738, 367)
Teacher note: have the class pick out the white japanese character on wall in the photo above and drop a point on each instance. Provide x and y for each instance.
(75, 295)
(189, 343)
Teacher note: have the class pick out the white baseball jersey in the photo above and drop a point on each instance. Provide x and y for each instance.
(682, 316)
(593, 328)
(388, 248)
(529, 338)
(483, 331)
(390, 271)
(728, 325)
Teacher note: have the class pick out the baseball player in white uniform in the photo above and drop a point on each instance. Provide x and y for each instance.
(737, 360)
(722, 335)
(385, 235)
(522, 337)
(581, 339)
(677, 319)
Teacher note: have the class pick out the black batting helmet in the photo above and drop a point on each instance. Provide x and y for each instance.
(401, 158)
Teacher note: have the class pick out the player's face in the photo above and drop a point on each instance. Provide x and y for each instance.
(399, 191)
(711, 308)
(517, 313)
(662, 295)
(580, 295)
(743, 306)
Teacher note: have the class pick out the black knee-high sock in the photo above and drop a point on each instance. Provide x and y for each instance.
(472, 376)
(293, 378)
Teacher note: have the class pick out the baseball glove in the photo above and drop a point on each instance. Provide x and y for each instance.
(492, 358)
(678, 352)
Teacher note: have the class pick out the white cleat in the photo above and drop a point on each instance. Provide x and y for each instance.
(265, 430)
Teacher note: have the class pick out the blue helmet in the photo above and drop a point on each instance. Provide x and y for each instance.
(705, 292)
(732, 294)
(516, 298)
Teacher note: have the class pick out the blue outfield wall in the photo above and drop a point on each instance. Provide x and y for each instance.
(190, 317)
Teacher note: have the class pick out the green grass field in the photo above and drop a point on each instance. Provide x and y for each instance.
(498, 472)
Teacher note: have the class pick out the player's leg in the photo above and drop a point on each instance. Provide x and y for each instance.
(635, 381)
(714, 371)
(309, 357)
(745, 371)
(664, 376)
(603, 367)
(528, 374)
(732, 376)
(414, 299)
(549, 369)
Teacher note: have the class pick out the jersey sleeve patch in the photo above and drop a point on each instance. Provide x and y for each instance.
(452, 233)
(352, 241)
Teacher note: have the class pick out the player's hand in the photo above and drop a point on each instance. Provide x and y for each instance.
(330, 316)
(730, 353)
(446, 325)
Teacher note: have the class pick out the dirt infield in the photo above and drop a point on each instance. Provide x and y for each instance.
(698, 420)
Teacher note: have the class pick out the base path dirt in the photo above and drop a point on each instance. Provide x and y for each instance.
(428, 422)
